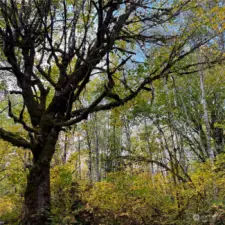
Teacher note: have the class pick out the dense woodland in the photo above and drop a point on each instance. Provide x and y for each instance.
(112, 112)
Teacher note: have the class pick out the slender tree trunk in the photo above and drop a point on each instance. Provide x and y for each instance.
(37, 194)
(114, 146)
(208, 131)
(206, 117)
(97, 160)
(79, 157)
(128, 134)
(108, 164)
(89, 154)
(151, 165)
(64, 157)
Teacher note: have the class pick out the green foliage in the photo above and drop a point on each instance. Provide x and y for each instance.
(125, 198)
(12, 183)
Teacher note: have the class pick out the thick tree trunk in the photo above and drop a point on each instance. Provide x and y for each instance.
(37, 194)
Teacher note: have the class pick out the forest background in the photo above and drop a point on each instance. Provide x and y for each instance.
(117, 107)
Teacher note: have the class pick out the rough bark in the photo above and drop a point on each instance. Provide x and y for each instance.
(37, 194)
